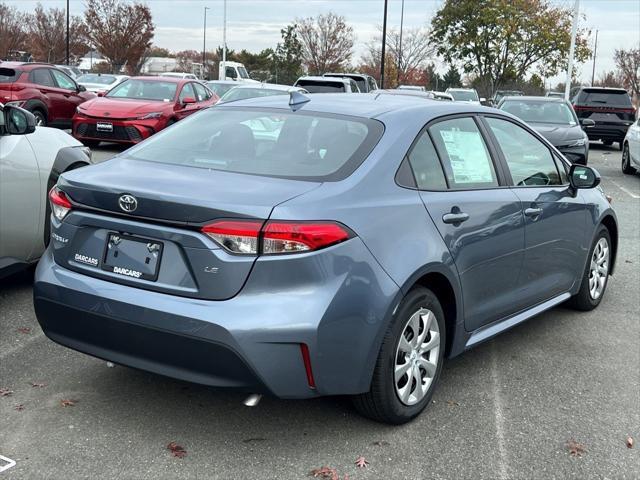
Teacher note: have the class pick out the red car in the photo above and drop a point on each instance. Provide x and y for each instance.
(139, 107)
(47, 92)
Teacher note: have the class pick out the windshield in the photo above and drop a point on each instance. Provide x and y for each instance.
(99, 79)
(242, 93)
(301, 145)
(145, 90)
(540, 112)
(464, 95)
(243, 72)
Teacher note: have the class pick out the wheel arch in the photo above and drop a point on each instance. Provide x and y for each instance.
(35, 104)
(612, 226)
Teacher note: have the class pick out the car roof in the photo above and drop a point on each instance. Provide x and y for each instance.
(317, 78)
(460, 89)
(25, 64)
(224, 82)
(406, 92)
(603, 89)
(371, 105)
(163, 79)
(533, 98)
(348, 75)
(268, 86)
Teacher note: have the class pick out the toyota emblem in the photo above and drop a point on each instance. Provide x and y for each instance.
(128, 203)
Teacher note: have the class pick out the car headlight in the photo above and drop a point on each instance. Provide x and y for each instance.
(577, 143)
(147, 116)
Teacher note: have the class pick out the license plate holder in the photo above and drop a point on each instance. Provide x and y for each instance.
(104, 127)
(132, 257)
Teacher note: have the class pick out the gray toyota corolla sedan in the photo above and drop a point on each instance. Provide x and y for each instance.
(321, 245)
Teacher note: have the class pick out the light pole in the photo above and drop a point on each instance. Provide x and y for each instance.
(67, 32)
(384, 41)
(204, 42)
(224, 40)
(400, 43)
(574, 29)
(595, 52)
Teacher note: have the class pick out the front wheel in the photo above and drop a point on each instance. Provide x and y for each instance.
(41, 118)
(409, 362)
(596, 275)
(626, 161)
(607, 143)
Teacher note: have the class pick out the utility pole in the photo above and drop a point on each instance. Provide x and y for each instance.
(67, 32)
(384, 41)
(595, 52)
(574, 29)
(224, 41)
(204, 43)
(400, 43)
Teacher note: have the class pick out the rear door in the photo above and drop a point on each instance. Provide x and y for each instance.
(43, 81)
(555, 218)
(479, 219)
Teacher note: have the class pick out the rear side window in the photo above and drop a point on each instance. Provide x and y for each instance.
(601, 97)
(8, 75)
(529, 160)
(464, 154)
(41, 76)
(321, 87)
(425, 164)
(277, 143)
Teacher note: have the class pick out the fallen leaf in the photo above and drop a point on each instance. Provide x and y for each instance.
(20, 407)
(576, 449)
(380, 443)
(628, 261)
(452, 403)
(254, 439)
(177, 450)
(629, 442)
(68, 403)
(5, 392)
(325, 472)
(38, 385)
(361, 462)
(24, 330)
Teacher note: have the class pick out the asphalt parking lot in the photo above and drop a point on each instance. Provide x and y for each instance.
(505, 410)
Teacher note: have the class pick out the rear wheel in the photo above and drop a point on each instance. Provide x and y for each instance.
(596, 275)
(91, 143)
(626, 161)
(409, 362)
(621, 145)
(41, 118)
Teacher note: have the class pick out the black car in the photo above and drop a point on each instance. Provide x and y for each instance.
(555, 120)
(609, 108)
(366, 83)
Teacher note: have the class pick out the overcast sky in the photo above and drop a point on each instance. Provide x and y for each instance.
(256, 24)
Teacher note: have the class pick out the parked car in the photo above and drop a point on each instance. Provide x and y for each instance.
(631, 149)
(242, 92)
(220, 87)
(609, 108)
(31, 159)
(500, 94)
(442, 96)
(185, 75)
(555, 120)
(327, 85)
(469, 95)
(415, 88)
(73, 72)
(366, 83)
(346, 255)
(48, 93)
(406, 92)
(100, 83)
(139, 107)
(554, 94)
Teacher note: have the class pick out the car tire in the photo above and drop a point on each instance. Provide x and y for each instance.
(594, 279)
(621, 145)
(91, 143)
(626, 161)
(41, 118)
(395, 397)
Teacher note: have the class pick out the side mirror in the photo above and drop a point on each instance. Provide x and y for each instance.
(583, 177)
(188, 100)
(18, 121)
(81, 88)
(587, 123)
(483, 100)
(101, 93)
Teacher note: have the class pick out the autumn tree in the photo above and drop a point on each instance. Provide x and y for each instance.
(370, 65)
(13, 34)
(121, 31)
(628, 65)
(327, 43)
(47, 35)
(492, 37)
(288, 56)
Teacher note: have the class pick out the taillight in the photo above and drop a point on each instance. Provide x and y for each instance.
(60, 204)
(251, 237)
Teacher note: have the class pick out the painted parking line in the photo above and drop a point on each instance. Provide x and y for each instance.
(628, 192)
(8, 463)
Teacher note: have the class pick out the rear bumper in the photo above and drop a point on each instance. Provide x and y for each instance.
(613, 132)
(338, 304)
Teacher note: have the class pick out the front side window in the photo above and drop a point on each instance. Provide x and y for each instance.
(187, 92)
(464, 154)
(305, 146)
(202, 93)
(425, 165)
(230, 72)
(139, 89)
(529, 160)
(63, 80)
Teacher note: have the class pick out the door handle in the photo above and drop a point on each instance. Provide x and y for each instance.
(533, 212)
(454, 218)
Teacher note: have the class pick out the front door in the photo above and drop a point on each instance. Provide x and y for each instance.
(555, 217)
(479, 220)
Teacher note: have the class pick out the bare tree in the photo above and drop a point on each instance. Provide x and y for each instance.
(121, 32)
(628, 64)
(412, 53)
(13, 35)
(47, 35)
(327, 43)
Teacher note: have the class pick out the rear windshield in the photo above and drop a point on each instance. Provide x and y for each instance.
(220, 88)
(145, 90)
(605, 97)
(464, 95)
(243, 93)
(321, 87)
(8, 75)
(532, 111)
(269, 142)
(93, 78)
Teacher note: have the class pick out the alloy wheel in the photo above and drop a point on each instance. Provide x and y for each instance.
(625, 158)
(416, 359)
(599, 269)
